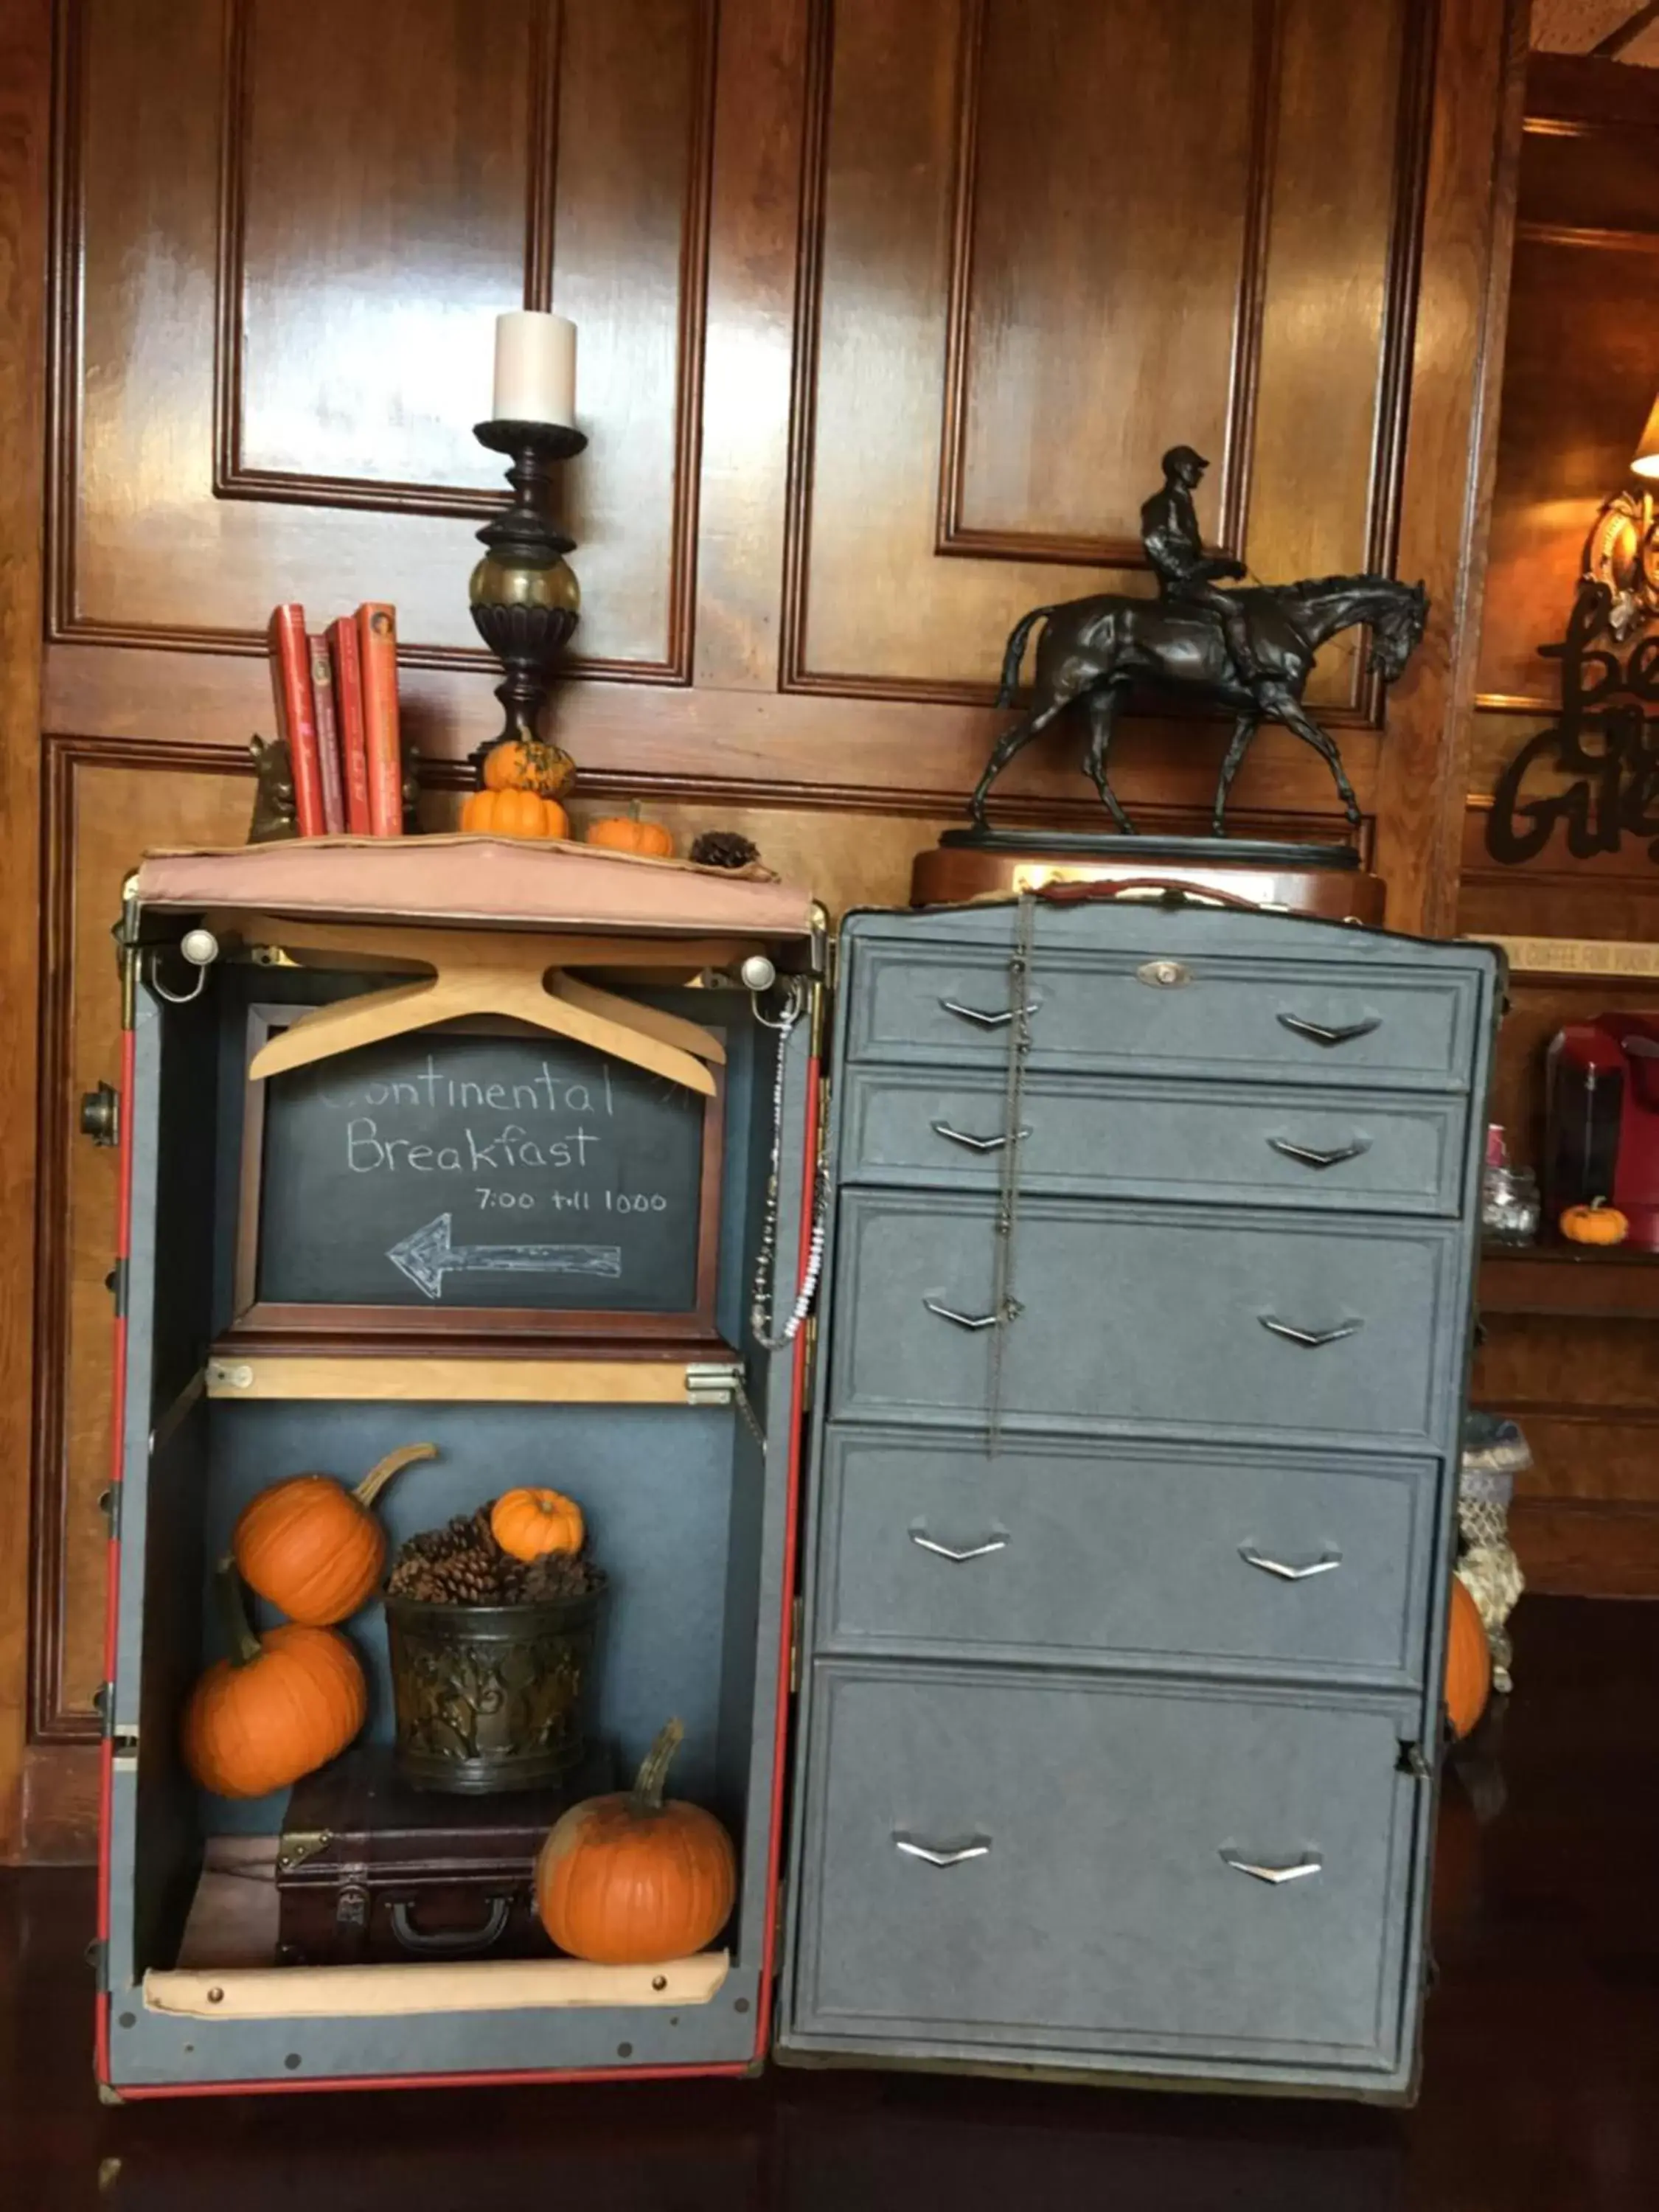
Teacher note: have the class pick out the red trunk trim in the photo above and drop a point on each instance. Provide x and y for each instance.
(150, 2090)
(112, 1572)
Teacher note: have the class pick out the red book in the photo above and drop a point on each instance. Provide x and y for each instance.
(296, 713)
(377, 647)
(328, 741)
(348, 720)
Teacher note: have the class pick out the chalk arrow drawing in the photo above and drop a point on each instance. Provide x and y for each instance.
(429, 1256)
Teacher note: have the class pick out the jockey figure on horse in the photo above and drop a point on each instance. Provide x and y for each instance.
(1185, 573)
(1248, 654)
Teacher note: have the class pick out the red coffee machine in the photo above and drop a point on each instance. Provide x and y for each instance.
(1603, 1121)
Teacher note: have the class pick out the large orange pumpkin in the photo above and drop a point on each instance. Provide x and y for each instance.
(628, 1879)
(1468, 1662)
(528, 764)
(314, 1547)
(625, 833)
(528, 1524)
(281, 1706)
(514, 814)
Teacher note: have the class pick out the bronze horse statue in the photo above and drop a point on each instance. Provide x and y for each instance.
(1097, 650)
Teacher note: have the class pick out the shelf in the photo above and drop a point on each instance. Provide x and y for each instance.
(393, 1991)
(1610, 1284)
(644, 1382)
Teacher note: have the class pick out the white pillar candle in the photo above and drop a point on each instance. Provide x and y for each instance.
(535, 369)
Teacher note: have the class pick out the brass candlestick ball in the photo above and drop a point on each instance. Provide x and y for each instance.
(524, 596)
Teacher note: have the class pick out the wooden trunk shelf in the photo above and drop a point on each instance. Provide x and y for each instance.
(643, 1381)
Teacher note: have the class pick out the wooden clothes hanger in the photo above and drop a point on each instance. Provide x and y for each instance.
(509, 974)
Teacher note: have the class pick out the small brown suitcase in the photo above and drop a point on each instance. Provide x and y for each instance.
(370, 1871)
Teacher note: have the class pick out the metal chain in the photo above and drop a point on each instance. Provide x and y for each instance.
(1004, 1304)
(751, 1419)
(760, 1308)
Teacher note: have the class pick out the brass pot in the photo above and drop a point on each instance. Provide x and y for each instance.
(490, 1696)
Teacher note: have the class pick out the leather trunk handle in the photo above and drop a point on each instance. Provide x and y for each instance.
(1177, 894)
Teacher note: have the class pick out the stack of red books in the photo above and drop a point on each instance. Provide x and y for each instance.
(336, 705)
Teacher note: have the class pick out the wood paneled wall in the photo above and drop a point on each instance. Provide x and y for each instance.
(887, 313)
(1581, 369)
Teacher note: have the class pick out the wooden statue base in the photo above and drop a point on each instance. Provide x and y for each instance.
(1325, 880)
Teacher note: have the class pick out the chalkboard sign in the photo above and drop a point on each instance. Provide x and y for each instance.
(471, 1180)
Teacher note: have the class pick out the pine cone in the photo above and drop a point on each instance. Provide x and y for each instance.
(724, 848)
(440, 1543)
(560, 1574)
(466, 1580)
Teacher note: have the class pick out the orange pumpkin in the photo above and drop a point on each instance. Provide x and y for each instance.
(281, 1706)
(528, 1524)
(1468, 1662)
(528, 764)
(628, 1879)
(625, 833)
(312, 1547)
(1598, 1222)
(511, 814)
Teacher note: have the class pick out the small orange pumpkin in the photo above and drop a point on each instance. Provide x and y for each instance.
(512, 813)
(528, 764)
(280, 1706)
(1598, 1222)
(626, 833)
(528, 1524)
(1468, 1662)
(628, 1879)
(312, 1547)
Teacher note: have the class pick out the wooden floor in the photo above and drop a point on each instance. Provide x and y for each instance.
(1540, 2091)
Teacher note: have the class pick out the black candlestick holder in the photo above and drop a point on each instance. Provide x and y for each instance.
(524, 596)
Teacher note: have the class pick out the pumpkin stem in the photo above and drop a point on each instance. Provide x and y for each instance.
(646, 1797)
(394, 1462)
(245, 1645)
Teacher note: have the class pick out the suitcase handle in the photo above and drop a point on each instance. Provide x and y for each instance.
(450, 1942)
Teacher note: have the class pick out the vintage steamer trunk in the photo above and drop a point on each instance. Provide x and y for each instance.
(685, 1453)
(1141, 1348)
(1135, 1471)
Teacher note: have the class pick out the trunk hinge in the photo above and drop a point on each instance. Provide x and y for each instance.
(809, 1378)
(1411, 1762)
(125, 1741)
(109, 1504)
(115, 1283)
(125, 934)
(779, 1920)
(713, 1383)
(719, 1383)
(98, 1958)
(794, 1646)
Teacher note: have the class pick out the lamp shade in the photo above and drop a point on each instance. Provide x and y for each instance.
(1646, 461)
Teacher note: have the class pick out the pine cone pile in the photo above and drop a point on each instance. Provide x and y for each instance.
(461, 1563)
(724, 848)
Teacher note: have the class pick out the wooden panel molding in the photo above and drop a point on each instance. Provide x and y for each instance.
(923, 102)
(25, 132)
(1468, 221)
(889, 756)
(633, 162)
(1215, 167)
(323, 82)
(102, 803)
